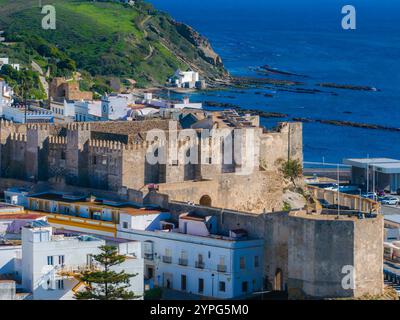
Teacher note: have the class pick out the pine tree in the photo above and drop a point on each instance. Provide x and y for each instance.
(106, 284)
(291, 169)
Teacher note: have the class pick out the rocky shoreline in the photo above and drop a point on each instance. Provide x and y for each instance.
(273, 114)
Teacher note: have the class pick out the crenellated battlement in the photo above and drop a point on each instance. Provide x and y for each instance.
(15, 136)
(116, 145)
(57, 140)
(74, 126)
(105, 144)
(6, 123)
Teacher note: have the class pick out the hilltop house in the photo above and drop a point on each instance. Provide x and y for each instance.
(186, 79)
(5, 61)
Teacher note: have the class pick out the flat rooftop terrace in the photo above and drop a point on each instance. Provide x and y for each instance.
(384, 165)
(127, 208)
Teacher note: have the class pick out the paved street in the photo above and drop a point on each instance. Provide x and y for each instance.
(388, 210)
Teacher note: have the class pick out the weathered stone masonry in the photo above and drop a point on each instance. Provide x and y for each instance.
(111, 156)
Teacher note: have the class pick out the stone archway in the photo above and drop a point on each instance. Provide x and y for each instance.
(278, 280)
(205, 201)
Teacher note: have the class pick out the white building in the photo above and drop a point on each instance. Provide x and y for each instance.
(6, 94)
(16, 196)
(32, 115)
(69, 111)
(190, 256)
(378, 173)
(5, 61)
(185, 79)
(148, 99)
(49, 261)
(87, 111)
(116, 106)
(193, 258)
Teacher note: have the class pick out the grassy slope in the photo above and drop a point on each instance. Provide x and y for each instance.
(104, 39)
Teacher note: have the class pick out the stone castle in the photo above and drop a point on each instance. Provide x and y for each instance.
(111, 156)
(305, 254)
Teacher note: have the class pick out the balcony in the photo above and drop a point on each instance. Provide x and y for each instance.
(199, 264)
(183, 262)
(221, 268)
(167, 259)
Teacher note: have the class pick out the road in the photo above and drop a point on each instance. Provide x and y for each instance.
(388, 210)
(42, 78)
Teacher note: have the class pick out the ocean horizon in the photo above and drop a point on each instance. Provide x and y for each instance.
(306, 37)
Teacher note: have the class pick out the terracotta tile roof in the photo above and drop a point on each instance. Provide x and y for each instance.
(20, 216)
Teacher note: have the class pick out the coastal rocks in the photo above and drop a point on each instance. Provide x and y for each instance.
(344, 123)
(202, 43)
(253, 81)
(221, 105)
(272, 114)
(348, 87)
(263, 114)
(266, 68)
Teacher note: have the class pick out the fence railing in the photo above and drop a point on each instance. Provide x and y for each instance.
(353, 202)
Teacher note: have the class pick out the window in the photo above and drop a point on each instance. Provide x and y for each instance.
(61, 260)
(62, 155)
(60, 284)
(221, 286)
(183, 260)
(50, 261)
(94, 160)
(244, 286)
(89, 260)
(201, 285)
(104, 160)
(256, 262)
(125, 225)
(221, 265)
(242, 263)
(183, 282)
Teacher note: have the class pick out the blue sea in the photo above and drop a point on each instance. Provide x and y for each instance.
(305, 37)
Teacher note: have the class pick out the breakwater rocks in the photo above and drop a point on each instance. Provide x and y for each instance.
(263, 114)
(256, 82)
(347, 87)
(272, 114)
(268, 69)
(344, 123)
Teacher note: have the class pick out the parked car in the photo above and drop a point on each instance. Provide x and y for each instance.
(370, 195)
(393, 201)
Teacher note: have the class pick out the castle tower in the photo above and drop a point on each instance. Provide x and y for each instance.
(37, 144)
(78, 136)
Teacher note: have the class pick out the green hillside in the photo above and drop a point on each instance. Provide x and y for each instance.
(105, 39)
